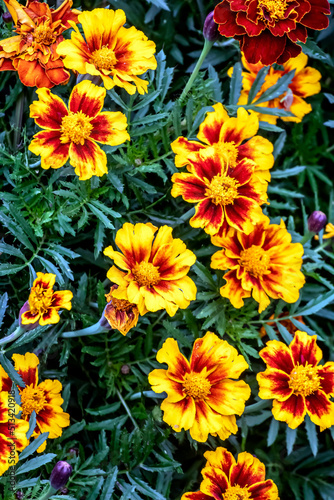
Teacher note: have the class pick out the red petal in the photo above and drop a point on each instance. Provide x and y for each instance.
(266, 490)
(252, 28)
(87, 98)
(191, 188)
(32, 74)
(208, 216)
(327, 373)
(317, 17)
(277, 355)
(264, 48)
(305, 350)
(227, 20)
(247, 471)
(320, 409)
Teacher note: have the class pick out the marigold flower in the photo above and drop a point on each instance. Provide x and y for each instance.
(12, 430)
(43, 398)
(116, 54)
(287, 323)
(203, 396)
(262, 264)
(44, 303)
(33, 51)
(227, 479)
(329, 232)
(304, 84)
(268, 30)
(120, 314)
(222, 193)
(229, 138)
(73, 133)
(297, 383)
(156, 268)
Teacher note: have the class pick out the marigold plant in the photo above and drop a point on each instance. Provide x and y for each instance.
(233, 139)
(33, 51)
(116, 54)
(44, 398)
(304, 84)
(156, 267)
(229, 479)
(44, 303)
(262, 264)
(203, 394)
(296, 382)
(73, 133)
(268, 30)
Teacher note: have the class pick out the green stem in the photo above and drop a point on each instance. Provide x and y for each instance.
(206, 49)
(17, 333)
(127, 409)
(307, 236)
(90, 330)
(51, 491)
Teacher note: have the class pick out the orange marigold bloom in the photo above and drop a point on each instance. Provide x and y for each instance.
(156, 268)
(203, 394)
(262, 264)
(304, 84)
(296, 382)
(116, 54)
(119, 313)
(12, 430)
(44, 303)
(73, 133)
(224, 194)
(224, 478)
(234, 140)
(43, 398)
(33, 52)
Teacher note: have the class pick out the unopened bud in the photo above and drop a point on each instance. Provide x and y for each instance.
(19, 495)
(125, 369)
(317, 221)
(60, 474)
(6, 16)
(210, 28)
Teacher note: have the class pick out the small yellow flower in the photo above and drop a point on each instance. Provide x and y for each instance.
(329, 232)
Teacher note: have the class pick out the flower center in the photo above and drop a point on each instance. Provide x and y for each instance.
(119, 304)
(228, 151)
(32, 398)
(222, 190)
(255, 260)
(196, 386)
(146, 274)
(236, 493)
(272, 9)
(44, 34)
(104, 58)
(75, 127)
(40, 299)
(304, 380)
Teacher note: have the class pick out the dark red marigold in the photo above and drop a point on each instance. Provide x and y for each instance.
(269, 29)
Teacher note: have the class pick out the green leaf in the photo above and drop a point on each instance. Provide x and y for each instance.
(35, 463)
(11, 372)
(74, 429)
(311, 49)
(109, 485)
(144, 488)
(107, 425)
(258, 82)
(10, 250)
(32, 424)
(315, 305)
(270, 332)
(291, 435)
(312, 436)
(278, 89)
(289, 172)
(10, 268)
(105, 209)
(3, 306)
(287, 337)
(236, 84)
(101, 216)
(29, 450)
(273, 432)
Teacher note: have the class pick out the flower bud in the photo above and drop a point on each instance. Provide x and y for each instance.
(119, 314)
(30, 326)
(6, 16)
(19, 495)
(317, 221)
(60, 474)
(125, 369)
(210, 28)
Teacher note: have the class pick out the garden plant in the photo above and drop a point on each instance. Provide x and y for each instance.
(166, 250)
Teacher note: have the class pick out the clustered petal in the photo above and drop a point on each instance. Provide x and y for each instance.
(204, 394)
(120, 314)
(297, 383)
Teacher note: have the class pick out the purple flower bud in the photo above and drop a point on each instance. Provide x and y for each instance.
(316, 221)
(31, 326)
(19, 495)
(6, 16)
(60, 474)
(210, 28)
(125, 369)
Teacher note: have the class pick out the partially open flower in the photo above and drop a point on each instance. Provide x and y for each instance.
(316, 221)
(119, 314)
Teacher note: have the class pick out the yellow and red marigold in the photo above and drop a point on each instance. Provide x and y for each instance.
(304, 84)
(269, 29)
(224, 478)
(12, 430)
(329, 232)
(234, 140)
(154, 268)
(224, 195)
(297, 383)
(262, 264)
(43, 398)
(116, 54)
(43, 303)
(119, 313)
(33, 51)
(203, 394)
(73, 133)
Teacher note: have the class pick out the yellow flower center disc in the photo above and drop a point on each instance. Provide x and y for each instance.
(272, 9)
(40, 299)
(75, 127)
(255, 260)
(32, 398)
(236, 493)
(44, 34)
(104, 58)
(304, 380)
(228, 151)
(146, 274)
(196, 386)
(222, 190)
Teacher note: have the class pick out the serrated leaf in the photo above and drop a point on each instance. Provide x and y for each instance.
(10, 370)
(257, 84)
(109, 485)
(287, 337)
(315, 305)
(32, 447)
(10, 268)
(291, 435)
(270, 332)
(35, 463)
(278, 89)
(273, 432)
(101, 216)
(312, 436)
(289, 172)
(10, 250)
(3, 306)
(236, 84)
